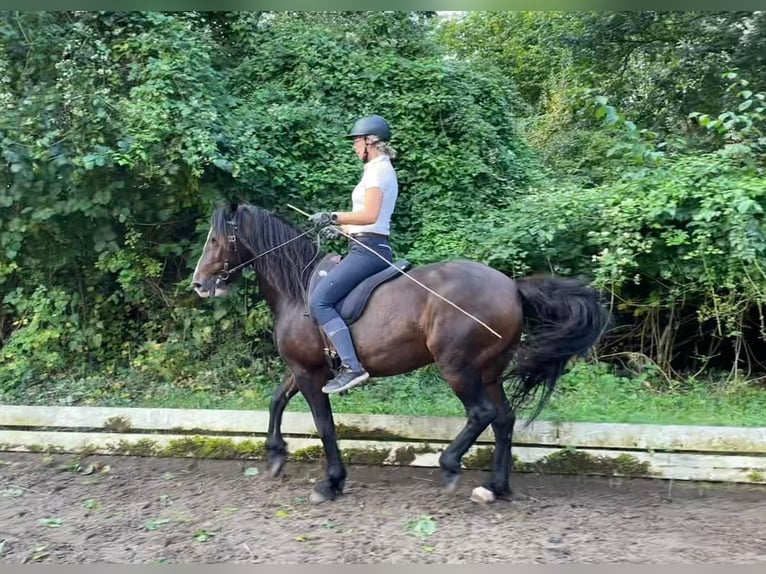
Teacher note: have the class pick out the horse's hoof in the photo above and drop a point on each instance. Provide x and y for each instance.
(451, 481)
(319, 497)
(324, 492)
(276, 466)
(482, 495)
(502, 492)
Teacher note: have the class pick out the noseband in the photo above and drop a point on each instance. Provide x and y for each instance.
(225, 274)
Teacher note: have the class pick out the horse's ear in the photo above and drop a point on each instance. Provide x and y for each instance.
(231, 205)
(226, 204)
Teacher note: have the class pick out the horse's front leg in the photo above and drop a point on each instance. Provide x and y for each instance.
(310, 384)
(276, 447)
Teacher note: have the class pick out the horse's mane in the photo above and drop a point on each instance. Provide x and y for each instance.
(288, 267)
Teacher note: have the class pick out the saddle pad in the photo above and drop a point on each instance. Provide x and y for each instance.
(351, 307)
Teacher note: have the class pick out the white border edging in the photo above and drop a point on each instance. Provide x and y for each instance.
(730, 454)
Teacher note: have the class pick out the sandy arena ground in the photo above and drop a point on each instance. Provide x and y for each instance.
(144, 510)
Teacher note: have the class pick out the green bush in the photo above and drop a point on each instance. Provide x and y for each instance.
(686, 237)
(119, 130)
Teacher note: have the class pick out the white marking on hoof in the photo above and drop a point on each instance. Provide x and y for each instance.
(482, 495)
(317, 498)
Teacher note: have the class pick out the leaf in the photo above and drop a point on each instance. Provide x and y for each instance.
(705, 214)
(744, 205)
(281, 514)
(155, 523)
(40, 553)
(51, 522)
(91, 504)
(428, 548)
(168, 475)
(613, 150)
(203, 535)
(2, 546)
(11, 492)
(611, 115)
(422, 527)
(744, 105)
(251, 471)
(301, 538)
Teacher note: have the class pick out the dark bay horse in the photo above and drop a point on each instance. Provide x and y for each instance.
(405, 327)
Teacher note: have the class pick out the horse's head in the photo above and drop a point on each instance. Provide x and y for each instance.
(245, 235)
(222, 255)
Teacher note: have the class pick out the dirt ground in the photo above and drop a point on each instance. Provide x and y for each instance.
(144, 510)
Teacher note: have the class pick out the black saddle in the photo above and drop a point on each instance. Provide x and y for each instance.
(351, 307)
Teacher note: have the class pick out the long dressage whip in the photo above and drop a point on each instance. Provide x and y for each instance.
(482, 323)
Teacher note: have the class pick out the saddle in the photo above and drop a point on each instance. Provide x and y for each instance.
(352, 306)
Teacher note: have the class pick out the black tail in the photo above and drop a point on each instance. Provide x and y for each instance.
(564, 318)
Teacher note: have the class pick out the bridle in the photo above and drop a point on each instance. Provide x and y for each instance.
(226, 273)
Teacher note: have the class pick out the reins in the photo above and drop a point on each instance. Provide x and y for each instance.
(226, 273)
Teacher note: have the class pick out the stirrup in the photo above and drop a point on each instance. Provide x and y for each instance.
(332, 359)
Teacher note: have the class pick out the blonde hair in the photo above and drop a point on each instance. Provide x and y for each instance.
(383, 147)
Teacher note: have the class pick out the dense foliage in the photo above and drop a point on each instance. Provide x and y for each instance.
(651, 129)
(628, 147)
(119, 130)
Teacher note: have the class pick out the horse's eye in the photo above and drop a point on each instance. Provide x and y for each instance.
(213, 241)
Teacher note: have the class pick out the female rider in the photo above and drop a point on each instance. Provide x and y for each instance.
(373, 201)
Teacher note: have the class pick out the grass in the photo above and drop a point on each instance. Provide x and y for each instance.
(591, 394)
(587, 393)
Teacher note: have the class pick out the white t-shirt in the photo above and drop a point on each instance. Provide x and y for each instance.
(378, 172)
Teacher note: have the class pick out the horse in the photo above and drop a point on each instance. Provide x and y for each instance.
(468, 322)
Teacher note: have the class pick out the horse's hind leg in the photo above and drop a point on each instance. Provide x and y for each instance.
(480, 410)
(276, 447)
(502, 427)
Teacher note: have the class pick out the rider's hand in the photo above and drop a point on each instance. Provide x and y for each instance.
(323, 219)
(330, 232)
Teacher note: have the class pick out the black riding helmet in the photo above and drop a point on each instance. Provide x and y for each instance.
(373, 125)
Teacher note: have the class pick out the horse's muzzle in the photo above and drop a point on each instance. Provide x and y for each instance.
(211, 287)
(197, 287)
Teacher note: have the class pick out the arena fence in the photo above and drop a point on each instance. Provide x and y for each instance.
(703, 453)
